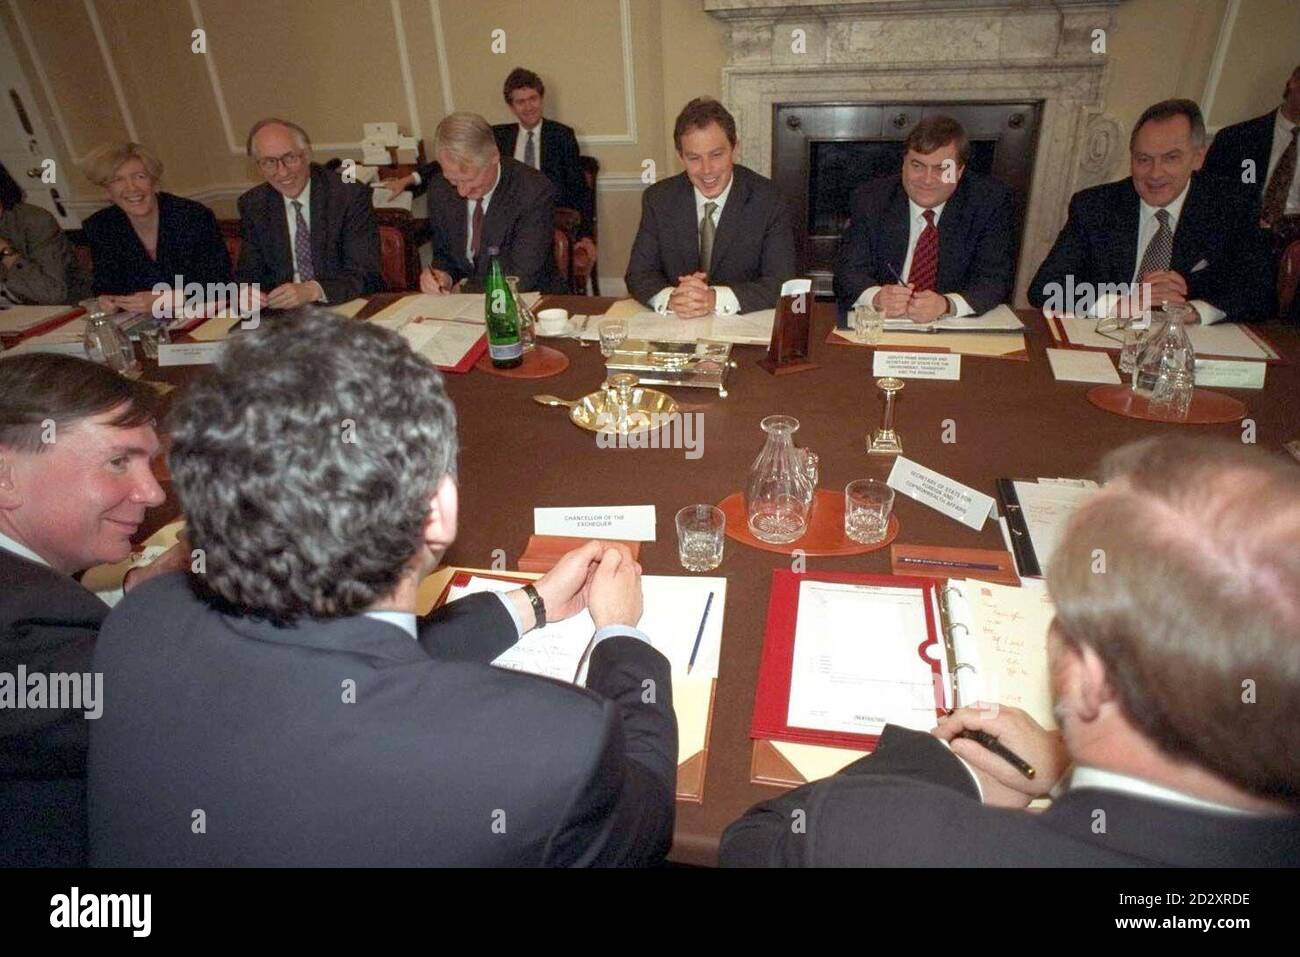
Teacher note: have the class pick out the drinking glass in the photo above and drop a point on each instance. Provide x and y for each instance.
(867, 505)
(612, 332)
(868, 323)
(701, 532)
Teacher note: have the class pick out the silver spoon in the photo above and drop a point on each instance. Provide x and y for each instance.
(555, 400)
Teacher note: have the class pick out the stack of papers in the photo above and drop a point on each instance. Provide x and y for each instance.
(1045, 507)
(463, 306)
(65, 340)
(997, 319)
(1223, 340)
(16, 320)
(745, 329)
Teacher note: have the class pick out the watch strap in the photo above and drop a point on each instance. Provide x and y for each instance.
(539, 606)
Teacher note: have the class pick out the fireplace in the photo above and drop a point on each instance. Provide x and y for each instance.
(1025, 77)
(821, 152)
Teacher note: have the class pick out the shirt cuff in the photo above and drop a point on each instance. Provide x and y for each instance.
(514, 615)
(725, 302)
(613, 631)
(660, 301)
(868, 296)
(320, 294)
(1209, 314)
(969, 770)
(415, 179)
(963, 307)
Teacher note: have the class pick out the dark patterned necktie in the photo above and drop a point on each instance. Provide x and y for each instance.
(925, 258)
(302, 246)
(530, 152)
(1160, 250)
(476, 230)
(707, 230)
(1279, 184)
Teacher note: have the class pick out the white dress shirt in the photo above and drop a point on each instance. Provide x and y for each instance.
(469, 216)
(292, 216)
(1147, 227)
(1282, 128)
(725, 301)
(1084, 777)
(915, 226)
(22, 551)
(521, 142)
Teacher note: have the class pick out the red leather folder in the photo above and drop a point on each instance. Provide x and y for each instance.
(11, 339)
(470, 357)
(772, 699)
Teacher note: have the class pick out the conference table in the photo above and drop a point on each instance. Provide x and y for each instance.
(1003, 418)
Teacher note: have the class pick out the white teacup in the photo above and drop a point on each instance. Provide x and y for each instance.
(552, 322)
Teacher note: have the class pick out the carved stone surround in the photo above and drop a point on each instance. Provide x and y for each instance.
(882, 51)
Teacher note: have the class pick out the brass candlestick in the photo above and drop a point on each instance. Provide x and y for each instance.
(886, 441)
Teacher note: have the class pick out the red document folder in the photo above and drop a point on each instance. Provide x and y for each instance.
(772, 699)
(469, 358)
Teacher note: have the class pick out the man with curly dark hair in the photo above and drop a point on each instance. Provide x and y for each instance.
(287, 708)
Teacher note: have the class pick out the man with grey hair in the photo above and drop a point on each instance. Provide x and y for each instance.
(290, 698)
(306, 236)
(482, 202)
(1176, 689)
(1176, 234)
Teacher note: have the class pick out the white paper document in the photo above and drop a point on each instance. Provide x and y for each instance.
(998, 319)
(1080, 365)
(1230, 374)
(1222, 339)
(624, 523)
(940, 492)
(442, 343)
(1046, 508)
(189, 353)
(457, 305)
(18, 319)
(916, 365)
(856, 664)
(673, 607)
(747, 328)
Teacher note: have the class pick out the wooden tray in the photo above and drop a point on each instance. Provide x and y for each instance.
(825, 535)
(540, 363)
(1208, 408)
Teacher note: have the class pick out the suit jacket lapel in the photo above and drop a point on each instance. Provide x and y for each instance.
(319, 218)
(1124, 251)
(282, 251)
(495, 217)
(1189, 234)
(729, 222)
(687, 226)
(894, 235)
(952, 232)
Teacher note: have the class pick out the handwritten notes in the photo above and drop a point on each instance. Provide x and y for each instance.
(1010, 627)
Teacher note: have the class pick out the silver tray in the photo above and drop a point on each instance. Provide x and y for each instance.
(699, 365)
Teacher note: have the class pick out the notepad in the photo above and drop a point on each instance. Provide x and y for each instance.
(998, 319)
(1078, 365)
(463, 306)
(748, 328)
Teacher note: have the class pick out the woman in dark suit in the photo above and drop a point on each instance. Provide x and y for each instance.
(147, 236)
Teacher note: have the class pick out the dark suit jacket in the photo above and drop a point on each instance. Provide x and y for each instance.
(48, 623)
(441, 760)
(753, 247)
(560, 162)
(976, 241)
(519, 222)
(912, 803)
(1098, 244)
(1251, 140)
(189, 245)
(47, 273)
(344, 238)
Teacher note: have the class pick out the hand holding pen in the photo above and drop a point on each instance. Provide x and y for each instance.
(1003, 745)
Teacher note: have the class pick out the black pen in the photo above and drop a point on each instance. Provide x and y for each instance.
(1001, 750)
(699, 634)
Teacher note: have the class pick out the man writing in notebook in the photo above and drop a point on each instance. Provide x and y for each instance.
(291, 694)
(933, 242)
(1175, 689)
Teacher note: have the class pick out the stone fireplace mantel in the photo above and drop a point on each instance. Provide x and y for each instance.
(883, 51)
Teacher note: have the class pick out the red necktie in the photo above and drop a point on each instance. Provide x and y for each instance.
(476, 229)
(925, 258)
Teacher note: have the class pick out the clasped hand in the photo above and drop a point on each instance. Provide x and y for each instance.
(693, 297)
(894, 301)
(599, 576)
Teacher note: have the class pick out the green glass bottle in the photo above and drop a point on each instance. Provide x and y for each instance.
(505, 347)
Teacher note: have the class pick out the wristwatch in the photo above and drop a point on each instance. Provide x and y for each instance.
(539, 606)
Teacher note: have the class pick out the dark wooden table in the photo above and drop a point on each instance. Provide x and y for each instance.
(1008, 418)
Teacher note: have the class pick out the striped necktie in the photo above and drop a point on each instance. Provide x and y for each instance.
(925, 258)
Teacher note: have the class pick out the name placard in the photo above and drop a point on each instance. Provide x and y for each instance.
(189, 353)
(940, 492)
(1230, 373)
(628, 523)
(917, 365)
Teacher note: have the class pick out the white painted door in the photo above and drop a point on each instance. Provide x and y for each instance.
(25, 141)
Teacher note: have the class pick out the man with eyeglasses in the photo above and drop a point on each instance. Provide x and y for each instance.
(307, 236)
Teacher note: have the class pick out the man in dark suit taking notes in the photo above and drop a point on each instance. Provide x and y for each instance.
(1173, 683)
(287, 708)
(715, 238)
(1167, 234)
(307, 236)
(934, 241)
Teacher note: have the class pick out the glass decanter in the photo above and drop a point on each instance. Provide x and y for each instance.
(527, 321)
(778, 495)
(106, 343)
(1166, 364)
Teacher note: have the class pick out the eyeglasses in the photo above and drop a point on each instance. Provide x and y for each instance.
(269, 164)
